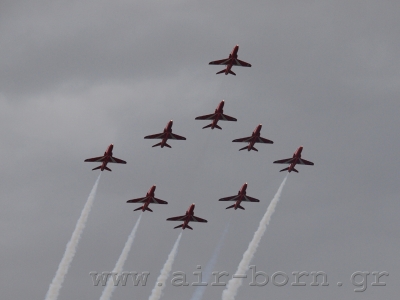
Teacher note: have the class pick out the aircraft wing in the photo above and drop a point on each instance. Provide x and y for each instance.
(284, 161)
(206, 117)
(241, 63)
(227, 118)
(250, 199)
(305, 162)
(180, 218)
(263, 140)
(230, 198)
(220, 62)
(197, 219)
(174, 136)
(98, 159)
(155, 136)
(117, 160)
(243, 140)
(138, 200)
(158, 201)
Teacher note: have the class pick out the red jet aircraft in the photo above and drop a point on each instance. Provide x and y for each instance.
(218, 115)
(147, 200)
(107, 158)
(254, 138)
(296, 159)
(188, 217)
(167, 134)
(232, 60)
(241, 196)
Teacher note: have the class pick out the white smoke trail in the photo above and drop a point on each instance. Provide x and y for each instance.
(198, 293)
(233, 285)
(109, 289)
(70, 250)
(156, 293)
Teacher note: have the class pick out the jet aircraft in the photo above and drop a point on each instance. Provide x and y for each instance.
(165, 135)
(218, 115)
(105, 159)
(232, 60)
(254, 138)
(241, 196)
(147, 200)
(296, 159)
(188, 217)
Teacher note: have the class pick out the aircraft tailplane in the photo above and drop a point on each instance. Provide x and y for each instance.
(158, 144)
(96, 168)
(285, 169)
(243, 148)
(230, 206)
(139, 208)
(252, 148)
(166, 145)
(223, 71)
(218, 126)
(295, 170)
(108, 169)
(148, 209)
(207, 126)
(231, 72)
(241, 207)
(187, 226)
(179, 226)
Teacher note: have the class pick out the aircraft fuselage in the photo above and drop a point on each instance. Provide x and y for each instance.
(189, 213)
(150, 194)
(167, 129)
(232, 56)
(256, 134)
(296, 156)
(108, 155)
(241, 193)
(218, 111)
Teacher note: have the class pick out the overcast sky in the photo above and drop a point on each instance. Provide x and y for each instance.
(76, 76)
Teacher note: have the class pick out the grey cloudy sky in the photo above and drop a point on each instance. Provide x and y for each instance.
(76, 76)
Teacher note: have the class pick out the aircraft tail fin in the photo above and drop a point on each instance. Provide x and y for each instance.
(252, 148)
(138, 208)
(217, 126)
(179, 226)
(285, 169)
(189, 227)
(223, 71)
(230, 206)
(231, 72)
(96, 168)
(243, 148)
(158, 144)
(207, 126)
(108, 169)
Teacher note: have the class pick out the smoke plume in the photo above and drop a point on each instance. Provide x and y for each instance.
(198, 293)
(109, 289)
(56, 284)
(156, 293)
(233, 285)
